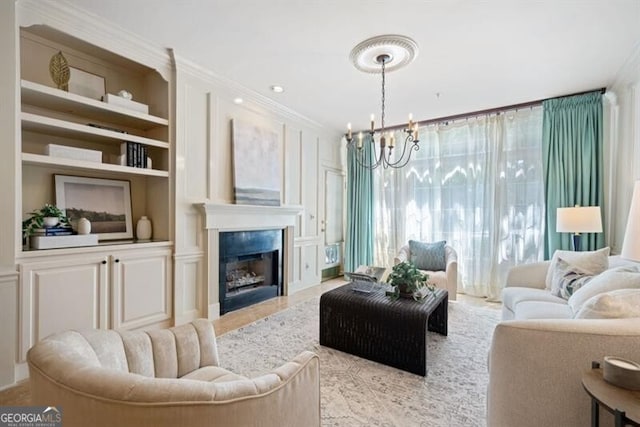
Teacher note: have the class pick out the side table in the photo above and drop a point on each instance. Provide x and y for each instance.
(622, 403)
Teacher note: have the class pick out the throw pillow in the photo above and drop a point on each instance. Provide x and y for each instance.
(616, 278)
(594, 261)
(428, 256)
(618, 304)
(568, 278)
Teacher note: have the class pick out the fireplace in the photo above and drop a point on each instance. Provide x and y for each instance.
(250, 267)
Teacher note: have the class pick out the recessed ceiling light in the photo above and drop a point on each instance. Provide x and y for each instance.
(277, 89)
(238, 100)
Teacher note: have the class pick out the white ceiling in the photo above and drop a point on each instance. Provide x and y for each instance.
(476, 54)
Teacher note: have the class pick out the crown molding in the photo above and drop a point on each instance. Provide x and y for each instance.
(86, 26)
(629, 73)
(233, 89)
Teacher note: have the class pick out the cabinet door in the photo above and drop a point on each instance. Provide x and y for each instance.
(70, 293)
(141, 288)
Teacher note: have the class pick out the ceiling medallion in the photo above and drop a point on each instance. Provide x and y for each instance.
(401, 49)
(382, 54)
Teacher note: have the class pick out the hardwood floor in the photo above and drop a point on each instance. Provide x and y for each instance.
(19, 395)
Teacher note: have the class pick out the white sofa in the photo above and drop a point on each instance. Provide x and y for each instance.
(167, 377)
(539, 352)
(445, 279)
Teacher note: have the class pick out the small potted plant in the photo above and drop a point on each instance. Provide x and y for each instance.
(408, 281)
(46, 216)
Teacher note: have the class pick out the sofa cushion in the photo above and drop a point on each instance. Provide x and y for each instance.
(512, 296)
(428, 256)
(568, 278)
(594, 261)
(612, 279)
(526, 310)
(437, 278)
(618, 304)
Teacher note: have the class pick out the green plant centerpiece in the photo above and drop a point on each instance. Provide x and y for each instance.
(46, 216)
(409, 282)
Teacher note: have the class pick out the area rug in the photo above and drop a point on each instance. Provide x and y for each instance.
(358, 392)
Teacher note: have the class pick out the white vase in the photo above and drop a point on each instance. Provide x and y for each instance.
(84, 226)
(50, 221)
(143, 228)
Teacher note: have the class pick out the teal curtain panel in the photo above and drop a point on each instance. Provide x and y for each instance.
(572, 163)
(359, 237)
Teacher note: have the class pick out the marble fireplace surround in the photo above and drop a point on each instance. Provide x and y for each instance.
(221, 217)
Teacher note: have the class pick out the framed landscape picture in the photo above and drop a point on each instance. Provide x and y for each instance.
(106, 203)
(257, 172)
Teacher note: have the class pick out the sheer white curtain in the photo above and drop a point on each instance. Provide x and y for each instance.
(476, 183)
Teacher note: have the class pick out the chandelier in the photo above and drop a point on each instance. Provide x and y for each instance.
(383, 54)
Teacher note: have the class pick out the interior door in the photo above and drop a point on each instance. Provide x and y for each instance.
(333, 223)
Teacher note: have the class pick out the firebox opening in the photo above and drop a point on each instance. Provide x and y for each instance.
(248, 273)
(250, 268)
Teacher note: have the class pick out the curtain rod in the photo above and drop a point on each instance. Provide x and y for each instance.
(488, 111)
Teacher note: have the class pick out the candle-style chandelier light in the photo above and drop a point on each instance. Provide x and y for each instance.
(383, 54)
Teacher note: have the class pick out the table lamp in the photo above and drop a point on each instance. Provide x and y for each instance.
(631, 244)
(579, 219)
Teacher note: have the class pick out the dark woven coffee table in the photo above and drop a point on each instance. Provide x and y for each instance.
(377, 328)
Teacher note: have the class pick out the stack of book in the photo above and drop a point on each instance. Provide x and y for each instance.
(135, 154)
(53, 231)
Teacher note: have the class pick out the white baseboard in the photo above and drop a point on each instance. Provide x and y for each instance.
(22, 371)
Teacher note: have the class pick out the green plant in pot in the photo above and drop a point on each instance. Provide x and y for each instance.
(408, 281)
(46, 216)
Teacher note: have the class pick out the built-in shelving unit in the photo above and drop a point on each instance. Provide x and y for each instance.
(50, 115)
(124, 283)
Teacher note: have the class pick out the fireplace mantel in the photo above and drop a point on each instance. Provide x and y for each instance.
(246, 217)
(225, 217)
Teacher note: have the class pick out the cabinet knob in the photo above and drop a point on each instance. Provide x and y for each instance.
(104, 261)
(117, 260)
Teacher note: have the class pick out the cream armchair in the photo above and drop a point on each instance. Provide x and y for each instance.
(168, 377)
(447, 279)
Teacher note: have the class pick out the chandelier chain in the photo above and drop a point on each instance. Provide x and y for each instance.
(383, 94)
(371, 154)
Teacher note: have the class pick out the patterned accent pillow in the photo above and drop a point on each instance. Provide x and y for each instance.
(594, 261)
(568, 278)
(428, 256)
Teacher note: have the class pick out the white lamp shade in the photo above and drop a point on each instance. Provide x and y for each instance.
(631, 244)
(579, 219)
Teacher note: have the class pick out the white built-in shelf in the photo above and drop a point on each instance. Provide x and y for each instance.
(55, 127)
(59, 100)
(71, 164)
(100, 247)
